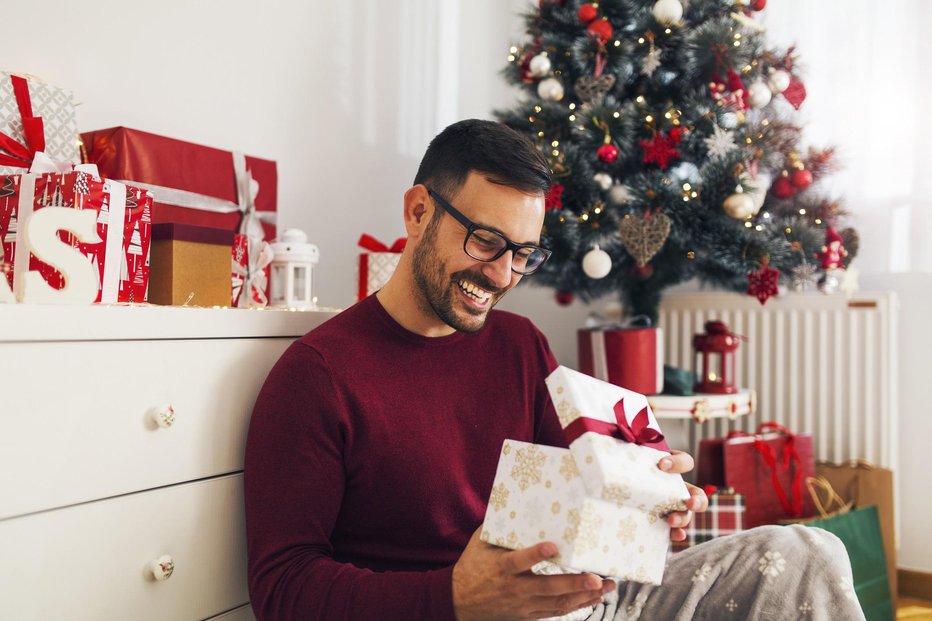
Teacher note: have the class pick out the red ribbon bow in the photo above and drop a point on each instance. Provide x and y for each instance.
(792, 504)
(637, 432)
(371, 244)
(16, 153)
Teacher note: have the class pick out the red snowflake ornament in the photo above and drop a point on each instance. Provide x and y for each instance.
(660, 150)
(762, 283)
(554, 198)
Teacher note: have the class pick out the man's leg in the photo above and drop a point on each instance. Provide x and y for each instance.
(774, 573)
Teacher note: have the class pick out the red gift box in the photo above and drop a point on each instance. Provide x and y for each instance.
(768, 467)
(725, 516)
(630, 358)
(377, 265)
(123, 225)
(191, 184)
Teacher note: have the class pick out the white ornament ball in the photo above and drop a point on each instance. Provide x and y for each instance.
(597, 263)
(668, 12)
(619, 194)
(739, 206)
(779, 80)
(603, 180)
(552, 90)
(759, 94)
(756, 188)
(728, 120)
(686, 172)
(540, 65)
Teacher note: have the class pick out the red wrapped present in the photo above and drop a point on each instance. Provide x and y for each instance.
(628, 357)
(191, 184)
(123, 226)
(250, 272)
(725, 516)
(377, 265)
(768, 467)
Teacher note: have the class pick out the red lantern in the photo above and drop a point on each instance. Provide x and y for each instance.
(715, 359)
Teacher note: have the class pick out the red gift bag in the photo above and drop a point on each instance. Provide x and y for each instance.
(768, 467)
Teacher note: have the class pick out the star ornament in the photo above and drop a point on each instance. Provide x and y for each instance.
(762, 283)
(660, 150)
(651, 62)
(720, 143)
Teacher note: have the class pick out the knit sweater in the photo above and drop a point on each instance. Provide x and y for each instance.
(370, 458)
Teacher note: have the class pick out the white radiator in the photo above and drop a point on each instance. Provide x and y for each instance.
(819, 363)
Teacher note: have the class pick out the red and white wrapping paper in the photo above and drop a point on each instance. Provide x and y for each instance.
(250, 291)
(630, 358)
(377, 265)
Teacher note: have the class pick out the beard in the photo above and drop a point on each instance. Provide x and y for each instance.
(439, 289)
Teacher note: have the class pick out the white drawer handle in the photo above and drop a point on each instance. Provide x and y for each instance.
(162, 567)
(164, 416)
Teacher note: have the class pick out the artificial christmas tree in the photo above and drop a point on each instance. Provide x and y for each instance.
(669, 128)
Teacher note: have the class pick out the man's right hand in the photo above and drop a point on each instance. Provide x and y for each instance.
(491, 583)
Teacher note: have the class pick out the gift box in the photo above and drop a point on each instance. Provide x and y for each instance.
(628, 357)
(377, 265)
(250, 291)
(605, 495)
(34, 117)
(725, 516)
(191, 184)
(190, 265)
(123, 226)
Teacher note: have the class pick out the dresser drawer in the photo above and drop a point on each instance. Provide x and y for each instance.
(75, 420)
(90, 562)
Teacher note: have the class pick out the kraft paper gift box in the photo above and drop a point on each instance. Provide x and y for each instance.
(190, 265)
(603, 501)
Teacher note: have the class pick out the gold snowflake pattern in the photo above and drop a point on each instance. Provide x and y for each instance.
(627, 530)
(771, 564)
(702, 574)
(566, 412)
(616, 493)
(529, 463)
(805, 608)
(732, 605)
(659, 510)
(506, 449)
(499, 497)
(512, 541)
(484, 536)
(583, 528)
(568, 468)
(555, 507)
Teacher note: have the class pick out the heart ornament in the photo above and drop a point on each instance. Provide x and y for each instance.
(644, 237)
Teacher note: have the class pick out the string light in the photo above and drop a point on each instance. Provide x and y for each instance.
(572, 117)
(641, 40)
(802, 212)
(617, 43)
(690, 255)
(818, 220)
(758, 228)
(537, 109)
(598, 209)
(789, 230)
(584, 217)
(639, 99)
(531, 119)
(747, 225)
(667, 31)
(649, 118)
(540, 134)
(616, 114)
(572, 106)
(511, 58)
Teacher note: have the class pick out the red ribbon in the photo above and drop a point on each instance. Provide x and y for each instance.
(373, 245)
(793, 508)
(19, 154)
(637, 432)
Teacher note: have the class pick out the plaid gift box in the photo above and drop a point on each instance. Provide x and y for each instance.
(725, 516)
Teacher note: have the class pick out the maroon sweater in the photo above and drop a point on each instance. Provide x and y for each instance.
(370, 458)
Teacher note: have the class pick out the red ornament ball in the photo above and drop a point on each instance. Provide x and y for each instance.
(642, 272)
(802, 179)
(587, 13)
(608, 153)
(783, 187)
(677, 134)
(564, 298)
(758, 5)
(602, 29)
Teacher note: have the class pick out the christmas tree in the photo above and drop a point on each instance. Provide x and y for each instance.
(669, 127)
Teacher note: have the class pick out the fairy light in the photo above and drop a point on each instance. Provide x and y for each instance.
(639, 99)
(572, 118)
(767, 214)
(616, 114)
(749, 140)
(668, 31)
(737, 43)
(584, 217)
(789, 230)
(818, 220)
(802, 212)
(668, 115)
(572, 106)
(690, 255)
(556, 152)
(765, 122)
(617, 43)
(562, 219)
(540, 134)
(511, 58)
(597, 210)
(758, 228)
(649, 118)
(531, 119)
(641, 40)
(537, 109)
(513, 49)
(747, 225)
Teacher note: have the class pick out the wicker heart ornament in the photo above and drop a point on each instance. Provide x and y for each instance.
(592, 90)
(643, 238)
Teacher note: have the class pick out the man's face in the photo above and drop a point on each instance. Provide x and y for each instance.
(458, 289)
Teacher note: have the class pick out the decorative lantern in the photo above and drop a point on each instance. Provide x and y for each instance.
(292, 278)
(715, 371)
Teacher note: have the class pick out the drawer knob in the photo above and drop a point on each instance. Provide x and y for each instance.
(164, 415)
(162, 567)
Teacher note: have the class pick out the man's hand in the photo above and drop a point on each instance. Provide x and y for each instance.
(681, 463)
(495, 584)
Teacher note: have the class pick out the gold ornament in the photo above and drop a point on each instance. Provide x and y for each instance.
(644, 238)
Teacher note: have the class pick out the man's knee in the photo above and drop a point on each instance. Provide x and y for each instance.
(802, 541)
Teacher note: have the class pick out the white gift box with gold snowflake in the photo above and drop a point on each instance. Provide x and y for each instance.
(538, 495)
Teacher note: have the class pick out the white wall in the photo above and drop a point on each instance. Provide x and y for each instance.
(346, 94)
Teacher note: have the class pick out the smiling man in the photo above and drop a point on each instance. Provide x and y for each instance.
(375, 439)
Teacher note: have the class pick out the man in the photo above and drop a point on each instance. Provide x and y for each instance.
(374, 442)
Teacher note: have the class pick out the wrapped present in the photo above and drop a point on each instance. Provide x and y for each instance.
(630, 356)
(121, 257)
(35, 117)
(196, 185)
(250, 273)
(377, 265)
(190, 265)
(725, 516)
(606, 497)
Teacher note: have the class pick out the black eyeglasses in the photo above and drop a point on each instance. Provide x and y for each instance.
(486, 245)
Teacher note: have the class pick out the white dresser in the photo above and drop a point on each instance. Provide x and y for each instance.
(122, 433)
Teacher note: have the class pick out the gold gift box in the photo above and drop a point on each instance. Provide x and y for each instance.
(190, 265)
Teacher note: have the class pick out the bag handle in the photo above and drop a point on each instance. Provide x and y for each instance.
(832, 497)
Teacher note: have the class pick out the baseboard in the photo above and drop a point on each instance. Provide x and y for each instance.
(915, 584)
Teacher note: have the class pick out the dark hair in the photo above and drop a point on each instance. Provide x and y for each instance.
(494, 150)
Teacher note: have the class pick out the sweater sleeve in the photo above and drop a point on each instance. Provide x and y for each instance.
(294, 483)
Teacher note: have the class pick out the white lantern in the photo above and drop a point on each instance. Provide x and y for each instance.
(292, 278)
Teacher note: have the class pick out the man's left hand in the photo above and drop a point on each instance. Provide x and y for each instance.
(680, 463)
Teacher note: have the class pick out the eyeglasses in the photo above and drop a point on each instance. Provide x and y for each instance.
(486, 245)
